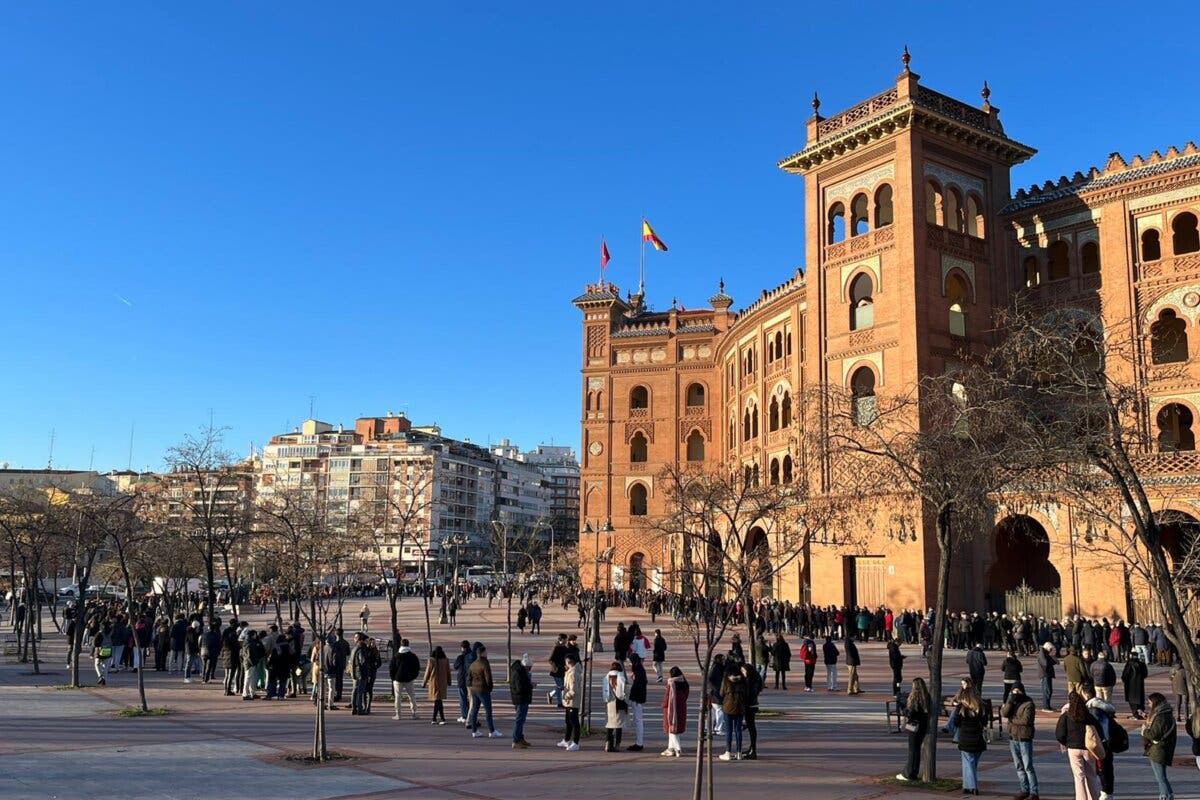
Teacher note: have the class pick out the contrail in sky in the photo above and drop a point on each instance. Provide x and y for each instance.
(123, 300)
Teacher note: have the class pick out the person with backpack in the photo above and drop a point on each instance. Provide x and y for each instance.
(1116, 738)
(1020, 712)
(808, 655)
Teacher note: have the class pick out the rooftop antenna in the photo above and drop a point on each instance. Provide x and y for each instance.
(92, 458)
(50, 460)
(129, 463)
(312, 404)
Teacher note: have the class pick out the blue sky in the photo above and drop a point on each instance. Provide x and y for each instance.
(231, 208)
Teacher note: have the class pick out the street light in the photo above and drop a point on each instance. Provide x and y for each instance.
(593, 619)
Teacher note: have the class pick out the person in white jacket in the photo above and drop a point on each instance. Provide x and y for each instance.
(616, 702)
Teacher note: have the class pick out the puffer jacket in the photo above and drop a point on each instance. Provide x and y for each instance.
(1020, 712)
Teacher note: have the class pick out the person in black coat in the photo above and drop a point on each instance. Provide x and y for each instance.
(637, 699)
(1134, 679)
(231, 655)
(896, 662)
(520, 689)
(853, 661)
(1011, 669)
(781, 660)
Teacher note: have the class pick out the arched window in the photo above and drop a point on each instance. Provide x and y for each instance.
(1184, 236)
(1168, 339)
(638, 448)
(773, 414)
(639, 397)
(732, 432)
(774, 471)
(746, 426)
(837, 223)
(787, 469)
(955, 220)
(1059, 256)
(754, 475)
(788, 344)
(779, 344)
(858, 215)
(695, 446)
(1151, 247)
(695, 395)
(637, 500)
(785, 410)
(862, 389)
(748, 476)
(883, 206)
(934, 211)
(862, 306)
(975, 225)
(600, 401)
(1089, 258)
(1033, 272)
(957, 294)
(1175, 428)
(754, 421)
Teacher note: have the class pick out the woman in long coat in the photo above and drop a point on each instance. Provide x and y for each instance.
(674, 707)
(781, 660)
(616, 703)
(1134, 679)
(437, 681)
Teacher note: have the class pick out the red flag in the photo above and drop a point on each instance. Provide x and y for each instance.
(604, 256)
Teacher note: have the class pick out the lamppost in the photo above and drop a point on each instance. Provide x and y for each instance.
(456, 542)
(592, 633)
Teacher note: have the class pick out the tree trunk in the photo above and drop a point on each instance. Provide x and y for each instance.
(1168, 600)
(210, 571)
(229, 579)
(428, 628)
(393, 602)
(937, 646)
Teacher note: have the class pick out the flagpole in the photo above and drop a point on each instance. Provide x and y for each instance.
(601, 262)
(642, 262)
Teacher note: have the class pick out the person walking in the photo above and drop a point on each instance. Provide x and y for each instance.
(437, 682)
(364, 619)
(1046, 663)
(1020, 711)
(1158, 739)
(831, 655)
(1133, 677)
(917, 720)
(637, 700)
(971, 742)
(733, 703)
(674, 708)
(853, 662)
(573, 691)
(660, 654)
(781, 660)
(616, 703)
(403, 669)
(520, 689)
(102, 651)
(808, 655)
(480, 684)
(462, 666)
(1072, 733)
(896, 662)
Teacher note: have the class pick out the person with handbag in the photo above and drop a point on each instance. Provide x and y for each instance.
(616, 703)
(1020, 712)
(1079, 736)
(1158, 739)
(1114, 736)
(916, 713)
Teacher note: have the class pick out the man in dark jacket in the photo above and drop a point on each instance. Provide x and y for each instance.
(637, 699)
(853, 661)
(479, 682)
(1020, 713)
(1104, 677)
(558, 669)
(977, 666)
(231, 653)
(461, 666)
(715, 675)
(1075, 670)
(178, 643)
(332, 663)
(359, 656)
(830, 652)
(342, 653)
(1046, 662)
(404, 668)
(520, 689)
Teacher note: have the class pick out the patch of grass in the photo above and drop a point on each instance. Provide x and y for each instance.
(939, 785)
(66, 687)
(769, 713)
(306, 759)
(135, 711)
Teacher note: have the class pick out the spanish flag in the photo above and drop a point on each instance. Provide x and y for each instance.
(648, 235)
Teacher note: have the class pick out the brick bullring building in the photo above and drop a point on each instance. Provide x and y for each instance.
(914, 238)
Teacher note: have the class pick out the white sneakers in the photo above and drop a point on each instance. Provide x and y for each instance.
(900, 777)
(461, 720)
(572, 748)
(495, 735)
(476, 734)
(726, 756)
(562, 743)
(673, 753)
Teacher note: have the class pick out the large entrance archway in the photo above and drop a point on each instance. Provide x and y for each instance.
(1022, 570)
(758, 563)
(637, 572)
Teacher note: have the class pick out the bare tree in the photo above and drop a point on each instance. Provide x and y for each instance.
(943, 450)
(96, 518)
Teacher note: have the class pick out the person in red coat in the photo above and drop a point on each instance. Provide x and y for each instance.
(674, 708)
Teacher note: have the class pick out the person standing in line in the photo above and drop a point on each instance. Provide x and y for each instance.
(479, 682)
(1104, 677)
(1046, 662)
(853, 661)
(637, 700)
(403, 670)
(572, 701)
(1021, 712)
(781, 659)
(733, 703)
(977, 667)
(1159, 738)
(896, 662)
(520, 689)
(916, 715)
(971, 742)
(462, 666)
(341, 655)
(660, 654)
(231, 651)
(1133, 677)
(831, 654)
(192, 645)
(437, 681)
(674, 707)
(754, 685)
(358, 662)
(616, 703)
(1011, 668)
(1075, 670)
(1073, 737)
(1106, 716)
(558, 668)
(808, 655)
(716, 675)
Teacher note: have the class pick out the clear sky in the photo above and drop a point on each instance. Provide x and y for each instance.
(233, 208)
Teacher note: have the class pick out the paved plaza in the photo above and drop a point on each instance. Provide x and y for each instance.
(70, 744)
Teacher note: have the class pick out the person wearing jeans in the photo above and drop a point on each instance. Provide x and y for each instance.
(572, 701)
(971, 743)
(733, 703)
(462, 664)
(1159, 736)
(520, 688)
(479, 682)
(1020, 712)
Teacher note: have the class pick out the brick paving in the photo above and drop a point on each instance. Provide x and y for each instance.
(70, 743)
